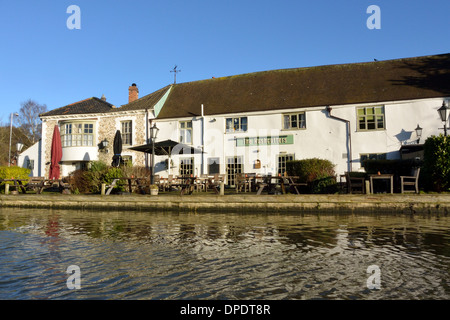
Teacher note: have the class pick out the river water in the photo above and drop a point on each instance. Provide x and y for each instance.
(140, 255)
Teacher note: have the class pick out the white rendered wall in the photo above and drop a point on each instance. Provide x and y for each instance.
(324, 137)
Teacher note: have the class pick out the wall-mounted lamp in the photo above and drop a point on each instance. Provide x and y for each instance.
(418, 133)
(443, 113)
(103, 145)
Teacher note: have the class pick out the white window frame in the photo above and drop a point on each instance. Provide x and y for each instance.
(126, 128)
(77, 134)
(371, 112)
(184, 130)
(290, 124)
(286, 156)
(236, 124)
(184, 170)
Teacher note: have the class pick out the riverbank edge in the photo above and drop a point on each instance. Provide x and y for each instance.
(438, 204)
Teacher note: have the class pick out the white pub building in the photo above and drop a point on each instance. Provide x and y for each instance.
(254, 123)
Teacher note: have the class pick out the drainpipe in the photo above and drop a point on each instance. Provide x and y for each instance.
(146, 136)
(203, 141)
(349, 137)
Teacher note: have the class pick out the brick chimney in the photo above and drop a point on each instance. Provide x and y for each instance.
(133, 93)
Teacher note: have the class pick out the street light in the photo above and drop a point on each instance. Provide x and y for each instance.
(153, 134)
(10, 136)
(443, 113)
(418, 133)
(19, 146)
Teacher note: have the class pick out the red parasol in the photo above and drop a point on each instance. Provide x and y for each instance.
(56, 154)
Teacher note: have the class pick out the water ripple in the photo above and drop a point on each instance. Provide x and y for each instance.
(221, 256)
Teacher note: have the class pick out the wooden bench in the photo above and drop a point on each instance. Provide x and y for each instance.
(36, 184)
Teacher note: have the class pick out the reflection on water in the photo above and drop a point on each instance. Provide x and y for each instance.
(221, 256)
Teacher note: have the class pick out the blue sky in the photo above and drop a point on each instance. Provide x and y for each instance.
(124, 42)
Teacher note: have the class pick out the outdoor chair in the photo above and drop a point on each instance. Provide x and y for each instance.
(200, 183)
(241, 182)
(157, 181)
(410, 181)
(355, 182)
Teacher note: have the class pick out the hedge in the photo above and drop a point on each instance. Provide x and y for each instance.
(318, 173)
(395, 167)
(436, 164)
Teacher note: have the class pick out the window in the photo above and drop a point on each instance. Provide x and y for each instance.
(294, 121)
(282, 159)
(30, 164)
(186, 166)
(371, 118)
(126, 132)
(371, 156)
(186, 132)
(77, 134)
(126, 161)
(236, 124)
(213, 165)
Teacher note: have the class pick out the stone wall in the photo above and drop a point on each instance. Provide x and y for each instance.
(107, 127)
(47, 145)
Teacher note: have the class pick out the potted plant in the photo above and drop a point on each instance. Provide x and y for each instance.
(154, 190)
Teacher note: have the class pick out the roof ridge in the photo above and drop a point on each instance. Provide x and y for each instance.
(312, 67)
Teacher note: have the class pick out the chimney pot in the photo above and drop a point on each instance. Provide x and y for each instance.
(133, 93)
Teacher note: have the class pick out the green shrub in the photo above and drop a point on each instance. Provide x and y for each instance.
(395, 167)
(98, 166)
(436, 164)
(318, 173)
(13, 173)
(112, 173)
(91, 180)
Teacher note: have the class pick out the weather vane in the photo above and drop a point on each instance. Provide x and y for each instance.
(175, 71)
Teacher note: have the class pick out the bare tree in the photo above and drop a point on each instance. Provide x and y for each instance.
(29, 121)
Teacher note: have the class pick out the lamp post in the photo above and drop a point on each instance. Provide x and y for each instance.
(443, 113)
(418, 133)
(153, 134)
(10, 136)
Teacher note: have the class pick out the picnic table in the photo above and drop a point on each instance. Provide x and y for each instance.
(37, 184)
(131, 182)
(285, 182)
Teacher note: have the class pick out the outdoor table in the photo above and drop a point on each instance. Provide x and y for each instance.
(381, 176)
(187, 184)
(17, 184)
(37, 184)
(282, 181)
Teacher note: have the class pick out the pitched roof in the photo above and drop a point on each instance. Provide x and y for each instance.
(146, 102)
(390, 80)
(91, 105)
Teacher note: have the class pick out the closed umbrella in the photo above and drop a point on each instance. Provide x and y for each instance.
(117, 149)
(56, 154)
